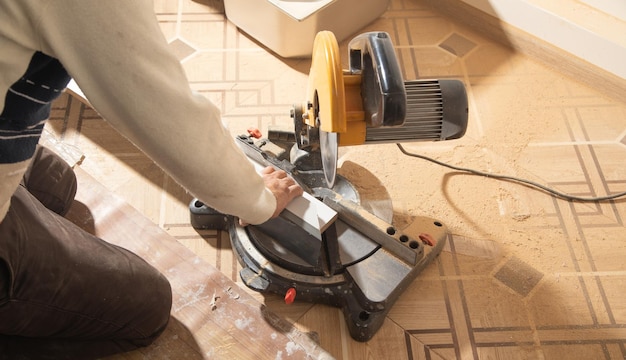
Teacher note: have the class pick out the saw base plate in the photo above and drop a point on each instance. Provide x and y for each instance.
(360, 264)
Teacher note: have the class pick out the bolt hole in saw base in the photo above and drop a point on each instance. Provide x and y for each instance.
(355, 260)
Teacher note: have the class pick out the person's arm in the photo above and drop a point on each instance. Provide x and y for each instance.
(118, 56)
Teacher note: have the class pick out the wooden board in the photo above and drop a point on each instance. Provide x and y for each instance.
(211, 316)
(307, 211)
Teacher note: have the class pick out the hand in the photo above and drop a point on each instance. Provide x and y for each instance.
(282, 186)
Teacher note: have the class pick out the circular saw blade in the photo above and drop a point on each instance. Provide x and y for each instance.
(328, 148)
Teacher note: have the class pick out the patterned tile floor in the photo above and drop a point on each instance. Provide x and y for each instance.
(526, 275)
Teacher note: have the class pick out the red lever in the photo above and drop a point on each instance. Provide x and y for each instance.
(255, 133)
(290, 296)
(427, 239)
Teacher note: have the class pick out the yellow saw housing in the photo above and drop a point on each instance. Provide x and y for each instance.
(334, 103)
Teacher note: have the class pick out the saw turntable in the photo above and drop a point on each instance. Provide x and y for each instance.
(348, 256)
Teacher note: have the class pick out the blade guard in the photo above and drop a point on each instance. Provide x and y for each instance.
(334, 103)
(325, 107)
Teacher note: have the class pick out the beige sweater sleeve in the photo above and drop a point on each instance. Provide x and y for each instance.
(118, 56)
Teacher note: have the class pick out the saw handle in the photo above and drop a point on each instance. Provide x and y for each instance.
(382, 86)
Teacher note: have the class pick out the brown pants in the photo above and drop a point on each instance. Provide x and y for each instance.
(65, 293)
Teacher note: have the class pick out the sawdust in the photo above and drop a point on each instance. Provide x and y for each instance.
(470, 206)
(213, 303)
(466, 203)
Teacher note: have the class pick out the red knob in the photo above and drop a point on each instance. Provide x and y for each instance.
(290, 296)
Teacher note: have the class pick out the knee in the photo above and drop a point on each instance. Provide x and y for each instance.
(163, 307)
(159, 308)
(51, 180)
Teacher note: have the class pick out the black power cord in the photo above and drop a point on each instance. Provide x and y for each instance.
(516, 180)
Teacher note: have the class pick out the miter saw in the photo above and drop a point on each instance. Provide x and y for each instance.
(355, 259)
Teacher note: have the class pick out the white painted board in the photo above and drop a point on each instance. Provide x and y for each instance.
(307, 211)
